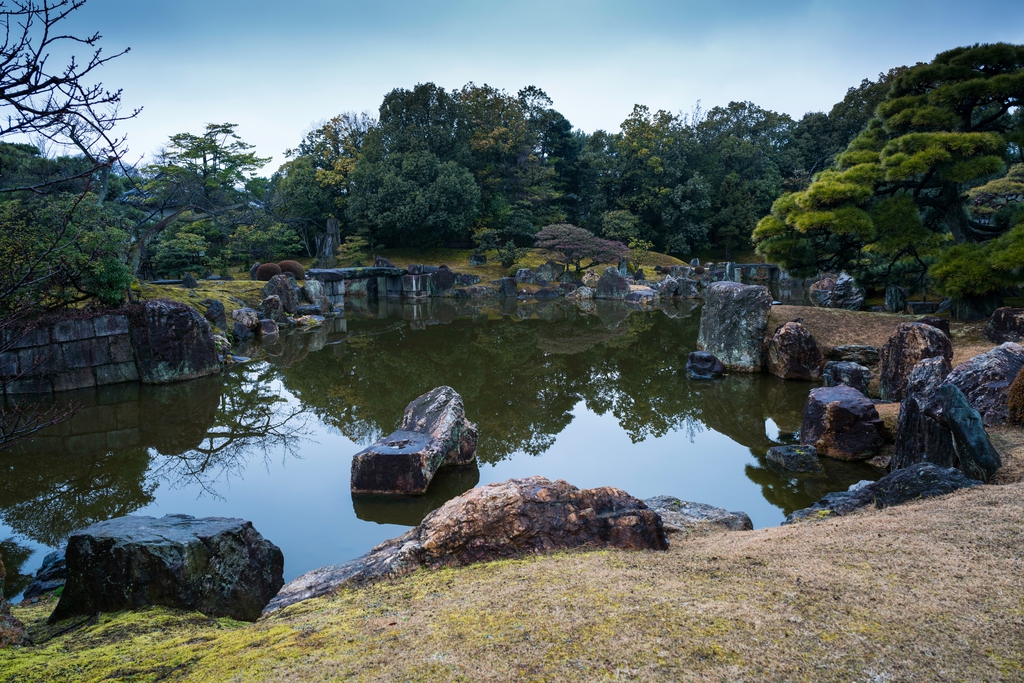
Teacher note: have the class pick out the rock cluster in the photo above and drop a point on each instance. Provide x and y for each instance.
(434, 433)
(505, 520)
(219, 566)
(841, 291)
(733, 323)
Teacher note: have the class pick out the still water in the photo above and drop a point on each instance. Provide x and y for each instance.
(596, 398)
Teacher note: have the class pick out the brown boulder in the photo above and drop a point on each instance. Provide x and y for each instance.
(908, 346)
(793, 353)
(505, 520)
(841, 423)
(285, 288)
(985, 380)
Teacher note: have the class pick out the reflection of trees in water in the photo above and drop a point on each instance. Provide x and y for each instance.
(14, 557)
(251, 419)
(108, 460)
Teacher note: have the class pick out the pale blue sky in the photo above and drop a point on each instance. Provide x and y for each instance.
(275, 68)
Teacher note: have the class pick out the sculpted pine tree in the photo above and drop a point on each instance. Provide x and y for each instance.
(895, 199)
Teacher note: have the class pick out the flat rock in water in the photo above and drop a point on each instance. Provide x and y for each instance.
(733, 324)
(909, 345)
(499, 521)
(986, 378)
(841, 423)
(434, 433)
(219, 566)
(680, 515)
(795, 458)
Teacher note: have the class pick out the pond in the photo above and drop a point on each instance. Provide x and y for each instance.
(596, 398)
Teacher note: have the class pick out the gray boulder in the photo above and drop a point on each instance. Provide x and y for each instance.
(434, 433)
(895, 299)
(1006, 325)
(524, 276)
(679, 288)
(845, 373)
(986, 378)
(733, 324)
(271, 309)
(976, 457)
(219, 566)
(215, 314)
(285, 288)
(680, 515)
(795, 458)
(611, 285)
(921, 431)
(550, 271)
(923, 480)
(841, 291)
(835, 504)
(247, 316)
(507, 288)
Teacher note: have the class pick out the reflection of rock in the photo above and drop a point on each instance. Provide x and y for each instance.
(909, 345)
(221, 567)
(510, 519)
(986, 378)
(733, 323)
(732, 407)
(434, 433)
(841, 423)
(680, 515)
(410, 510)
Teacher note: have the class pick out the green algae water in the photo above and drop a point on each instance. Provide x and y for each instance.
(598, 397)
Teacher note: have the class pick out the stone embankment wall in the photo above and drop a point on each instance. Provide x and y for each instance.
(69, 354)
(157, 342)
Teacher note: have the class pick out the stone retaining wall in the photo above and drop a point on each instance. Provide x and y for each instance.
(70, 354)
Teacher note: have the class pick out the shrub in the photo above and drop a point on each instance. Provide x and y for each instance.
(267, 271)
(293, 267)
(1016, 404)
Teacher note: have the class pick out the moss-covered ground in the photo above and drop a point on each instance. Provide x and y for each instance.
(930, 591)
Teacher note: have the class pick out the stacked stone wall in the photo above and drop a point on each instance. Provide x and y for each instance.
(72, 353)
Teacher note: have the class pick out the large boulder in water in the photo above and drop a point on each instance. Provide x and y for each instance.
(793, 353)
(986, 378)
(976, 457)
(434, 433)
(908, 346)
(841, 423)
(219, 566)
(172, 342)
(681, 515)
(1006, 325)
(733, 323)
(505, 520)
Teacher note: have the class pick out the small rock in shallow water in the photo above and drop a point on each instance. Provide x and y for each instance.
(703, 365)
(795, 458)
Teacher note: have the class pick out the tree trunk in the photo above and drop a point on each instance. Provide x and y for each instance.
(139, 248)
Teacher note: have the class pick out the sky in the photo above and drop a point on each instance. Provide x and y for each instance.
(277, 68)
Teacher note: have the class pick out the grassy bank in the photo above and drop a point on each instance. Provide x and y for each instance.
(931, 591)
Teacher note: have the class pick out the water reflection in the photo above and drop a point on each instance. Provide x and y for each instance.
(527, 372)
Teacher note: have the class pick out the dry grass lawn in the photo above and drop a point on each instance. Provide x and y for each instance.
(930, 591)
